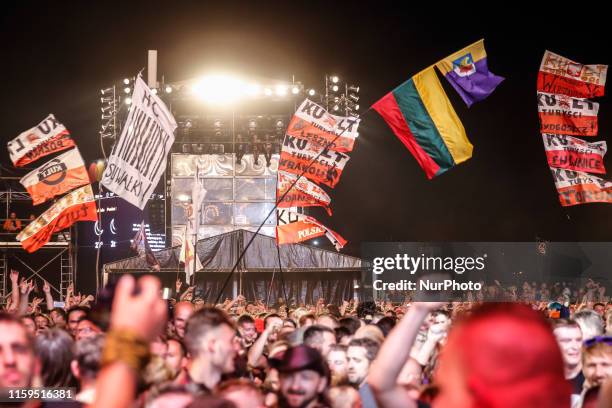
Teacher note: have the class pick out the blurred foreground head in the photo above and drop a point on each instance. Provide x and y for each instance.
(502, 356)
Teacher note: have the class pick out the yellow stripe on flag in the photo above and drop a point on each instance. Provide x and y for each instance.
(477, 50)
(443, 115)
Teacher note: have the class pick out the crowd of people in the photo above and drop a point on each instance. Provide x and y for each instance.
(141, 350)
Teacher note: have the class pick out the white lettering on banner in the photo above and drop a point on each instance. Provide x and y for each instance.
(567, 178)
(138, 159)
(572, 144)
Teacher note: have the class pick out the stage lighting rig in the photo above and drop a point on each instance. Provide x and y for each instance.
(108, 107)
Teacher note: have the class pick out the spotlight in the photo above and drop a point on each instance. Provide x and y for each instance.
(315, 242)
(353, 88)
(168, 89)
(105, 109)
(217, 124)
(280, 124)
(335, 88)
(126, 81)
(128, 101)
(311, 92)
(127, 90)
(356, 107)
(335, 79)
(336, 107)
(267, 92)
(295, 90)
(106, 99)
(106, 91)
(253, 90)
(354, 97)
(154, 91)
(281, 90)
(252, 124)
(219, 89)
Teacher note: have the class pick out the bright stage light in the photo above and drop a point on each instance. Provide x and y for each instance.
(311, 92)
(219, 89)
(106, 91)
(281, 90)
(126, 81)
(267, 92)
(154, 91)
(335, 88)
(336, 107)
(335, 79)
(295, 90)
(128, 101)
(252, 90)
(356, 107)
(168, 89)
(127, 90)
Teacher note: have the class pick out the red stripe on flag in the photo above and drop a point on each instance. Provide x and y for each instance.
(391, 113)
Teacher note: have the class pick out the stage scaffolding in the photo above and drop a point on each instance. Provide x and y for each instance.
(41, 263)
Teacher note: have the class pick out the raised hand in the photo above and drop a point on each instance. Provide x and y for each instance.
(14, 276)
(144, 314)
(46, 287)
(178, 285)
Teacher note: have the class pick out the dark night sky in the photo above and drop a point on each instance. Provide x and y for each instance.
(57, 55)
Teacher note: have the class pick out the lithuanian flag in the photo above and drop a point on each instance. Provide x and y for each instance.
(422, 117)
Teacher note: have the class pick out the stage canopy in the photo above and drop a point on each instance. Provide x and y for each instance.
(308, 272)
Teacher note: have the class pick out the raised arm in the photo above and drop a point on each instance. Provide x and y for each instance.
(392, 356)
(48, 296)
(136, 319)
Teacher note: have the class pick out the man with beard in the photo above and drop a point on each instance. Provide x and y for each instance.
(360, 354)
(210, 339)
(18, 363)
(304, 376)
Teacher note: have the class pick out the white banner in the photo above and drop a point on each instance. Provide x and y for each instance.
(138, 159)
(317, 115)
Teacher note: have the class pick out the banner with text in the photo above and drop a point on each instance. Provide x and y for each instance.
(138, 159)
(576, 187)
(293, 228)
(57, 176)
(48, 137)
(78, 205)
(564, 115)
(571, 153)
(560, 75)
(303, 194)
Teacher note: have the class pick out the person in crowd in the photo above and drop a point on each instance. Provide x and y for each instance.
(326, 319)
(501, 355)
(19, 364)
(590, 322)
(182, 312)
(304, 377)
(176, 357)
(55, 350)
(30, 324)
(87, 328)
(247, 330)
(210, 339)
(75, 314)
(59, 317)
(86, 365)
(597, 360)
(360, 355)
(243, 393)
(569, 337)
(320, 338)
(12, 224)
(344, 396)
(338, 364)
